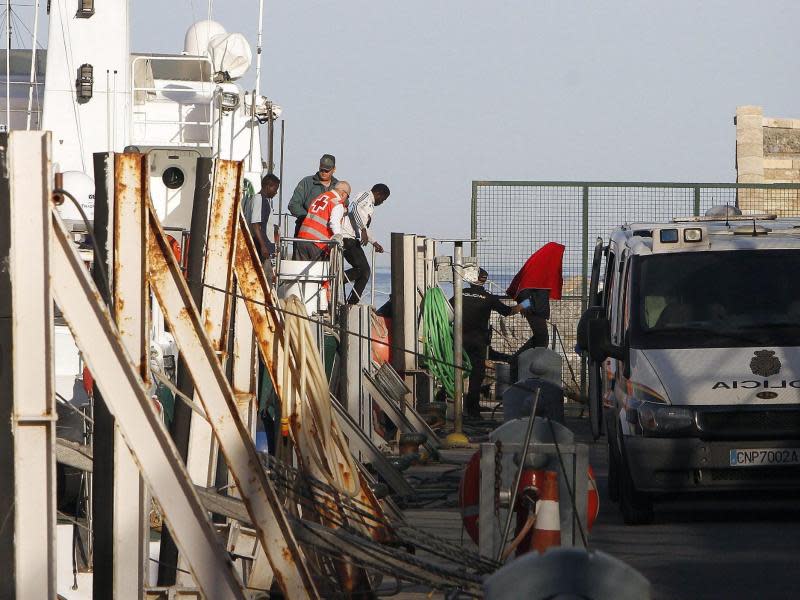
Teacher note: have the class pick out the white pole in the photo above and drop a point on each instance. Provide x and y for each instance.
(33, 63)
(372, 283)
(258, 46)
(108, 110)
(8, 65)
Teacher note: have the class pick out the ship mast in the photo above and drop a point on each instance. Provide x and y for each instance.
(33, 63)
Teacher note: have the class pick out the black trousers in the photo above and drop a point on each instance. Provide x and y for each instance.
(477, 356)
(307, 251)
(359, 271)
(540, 339)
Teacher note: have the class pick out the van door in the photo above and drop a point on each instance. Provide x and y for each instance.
(619, 329)
(595, 392)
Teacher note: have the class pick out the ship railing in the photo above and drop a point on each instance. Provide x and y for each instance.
(200, 91)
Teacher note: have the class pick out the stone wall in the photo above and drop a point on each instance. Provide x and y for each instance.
(767, 151)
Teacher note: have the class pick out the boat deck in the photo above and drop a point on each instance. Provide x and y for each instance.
(441, 517)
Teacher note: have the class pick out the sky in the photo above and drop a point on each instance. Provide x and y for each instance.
(427, 95)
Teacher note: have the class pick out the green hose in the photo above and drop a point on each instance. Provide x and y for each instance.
(438, 340)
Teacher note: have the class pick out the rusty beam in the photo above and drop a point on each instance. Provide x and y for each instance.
(181, 423)
(215, 307)
(219, 403)
(131, 313)
(142, 430)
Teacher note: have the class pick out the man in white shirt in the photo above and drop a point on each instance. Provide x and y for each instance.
(356, 234)
(260, 214)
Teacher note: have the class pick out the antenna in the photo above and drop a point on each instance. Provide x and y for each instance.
(33, 76)
(258, 48)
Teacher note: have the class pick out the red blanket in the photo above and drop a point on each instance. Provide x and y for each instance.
(543, 270)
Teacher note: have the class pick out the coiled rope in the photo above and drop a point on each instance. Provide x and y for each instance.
(438, 340)
(318, 439)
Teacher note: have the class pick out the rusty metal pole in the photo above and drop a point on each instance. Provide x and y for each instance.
(182, 419)
(458, 438)
(141, 426)
(102, 486)
(131, 313)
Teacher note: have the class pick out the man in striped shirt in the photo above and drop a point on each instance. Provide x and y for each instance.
(355, 230)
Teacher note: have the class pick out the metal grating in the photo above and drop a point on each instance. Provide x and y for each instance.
(515, 218)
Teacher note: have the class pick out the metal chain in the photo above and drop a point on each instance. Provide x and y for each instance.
(498, 474)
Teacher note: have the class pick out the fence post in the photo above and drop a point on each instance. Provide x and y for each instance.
(697, 201)
(585, 274)
(474, 218)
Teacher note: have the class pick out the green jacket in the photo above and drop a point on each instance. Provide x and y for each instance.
(309, 188)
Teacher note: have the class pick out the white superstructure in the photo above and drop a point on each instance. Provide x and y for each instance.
(100, 97)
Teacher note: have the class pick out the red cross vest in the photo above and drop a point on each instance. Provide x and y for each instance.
(316, 223)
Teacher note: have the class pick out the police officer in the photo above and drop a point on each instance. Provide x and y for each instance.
(477, 307)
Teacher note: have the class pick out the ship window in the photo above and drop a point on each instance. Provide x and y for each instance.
(173, 178)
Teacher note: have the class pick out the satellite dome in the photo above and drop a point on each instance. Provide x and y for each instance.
(230, 54)
(199, 35)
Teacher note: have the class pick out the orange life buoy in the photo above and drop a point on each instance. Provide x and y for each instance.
(381, 334)
(176, 248)
(469, 496)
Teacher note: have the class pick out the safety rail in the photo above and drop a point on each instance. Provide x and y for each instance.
(205, 88)
(557, 337)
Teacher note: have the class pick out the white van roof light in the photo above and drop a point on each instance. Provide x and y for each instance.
(723, 210)
(705, 218)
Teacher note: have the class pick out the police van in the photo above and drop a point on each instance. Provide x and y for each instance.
(693, 339)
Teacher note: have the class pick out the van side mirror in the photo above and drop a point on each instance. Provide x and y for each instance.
(582, 332)
(600, 346)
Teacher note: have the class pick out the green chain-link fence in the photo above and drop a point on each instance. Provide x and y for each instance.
(512, 219)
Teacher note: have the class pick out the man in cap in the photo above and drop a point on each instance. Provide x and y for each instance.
(477, 307)
(355, 230)
(310, 187)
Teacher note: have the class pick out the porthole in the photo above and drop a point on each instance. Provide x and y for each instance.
(173, 178)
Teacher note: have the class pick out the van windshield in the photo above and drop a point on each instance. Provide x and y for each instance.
(716, 299)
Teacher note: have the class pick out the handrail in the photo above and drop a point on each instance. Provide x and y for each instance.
(138, 118)
(635, 184)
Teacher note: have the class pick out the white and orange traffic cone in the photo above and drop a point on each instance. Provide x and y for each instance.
(547, 529)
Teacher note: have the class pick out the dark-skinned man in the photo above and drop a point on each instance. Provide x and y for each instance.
(260, 216)
(356, 233)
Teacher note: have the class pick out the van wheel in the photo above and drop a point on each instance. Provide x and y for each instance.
(636, 506)
(613, 471)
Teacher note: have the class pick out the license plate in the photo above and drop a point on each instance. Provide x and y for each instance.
(753, 457)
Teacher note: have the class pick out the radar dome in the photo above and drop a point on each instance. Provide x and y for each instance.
(199, 35)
